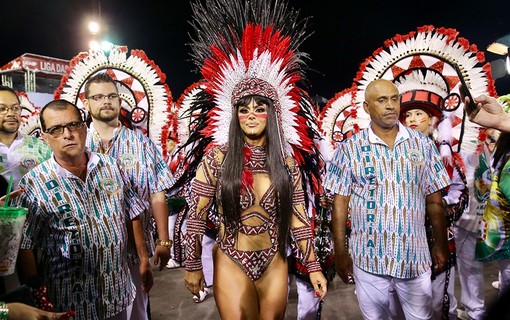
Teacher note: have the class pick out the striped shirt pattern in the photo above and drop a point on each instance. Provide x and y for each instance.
(81, 229)
(387, 190)
(145, 166)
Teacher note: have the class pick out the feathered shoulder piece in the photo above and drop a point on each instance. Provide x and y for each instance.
(422, 64)
(146, 98)
(250, 48)
(190, 143)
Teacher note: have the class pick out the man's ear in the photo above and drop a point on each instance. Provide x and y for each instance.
(86, 105)
(365, 107)
(44, 137)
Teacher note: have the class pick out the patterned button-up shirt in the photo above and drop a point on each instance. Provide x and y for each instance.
(81, 228)
(145, 166)
(21, 156)
(388, 189)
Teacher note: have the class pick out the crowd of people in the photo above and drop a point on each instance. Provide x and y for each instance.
(257, 195)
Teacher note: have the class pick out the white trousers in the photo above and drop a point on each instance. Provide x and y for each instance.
(207, 259)
(171, 225)
(308, 303)
(373, 293)
(470, 272)
(138, 309)
(504, 276)
(395, 309)
(437, 295)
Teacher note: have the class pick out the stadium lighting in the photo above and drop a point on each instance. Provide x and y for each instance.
(94, 27)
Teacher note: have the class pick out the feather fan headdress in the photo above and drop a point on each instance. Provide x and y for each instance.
(29, 116)
(431, 55)
(181, 159)
(341, 118)
(250, 48)
(146, 98)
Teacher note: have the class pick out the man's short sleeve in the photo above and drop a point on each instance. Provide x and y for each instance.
(31, 233)
(339, 172)
(438, 177)
(160, 177)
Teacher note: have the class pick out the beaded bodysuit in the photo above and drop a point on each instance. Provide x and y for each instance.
(251, 242)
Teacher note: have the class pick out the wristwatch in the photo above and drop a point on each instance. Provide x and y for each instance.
(164, 243)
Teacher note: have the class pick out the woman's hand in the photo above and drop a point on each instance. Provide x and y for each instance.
(489, 113)
(194, 281)
(320, 284)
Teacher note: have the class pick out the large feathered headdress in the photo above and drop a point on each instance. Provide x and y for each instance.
(29, 116)
(250, 48)
(146, 98)
(341, 118)
(429, 56)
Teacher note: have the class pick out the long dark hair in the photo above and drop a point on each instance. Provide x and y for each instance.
(502, 150)
(278, 171)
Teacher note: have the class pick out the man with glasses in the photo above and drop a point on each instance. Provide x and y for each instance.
(145, 166)
(19, 153)
(81, 206)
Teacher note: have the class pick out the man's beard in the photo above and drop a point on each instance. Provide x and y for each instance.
(104, 118)
(5, 129)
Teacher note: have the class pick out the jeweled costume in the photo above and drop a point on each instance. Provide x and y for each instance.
(251, 242)
(249, 48)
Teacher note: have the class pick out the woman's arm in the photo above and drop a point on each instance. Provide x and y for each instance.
(302, 234)
(203, 190)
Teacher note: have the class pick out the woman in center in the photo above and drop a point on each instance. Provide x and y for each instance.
(259, 199)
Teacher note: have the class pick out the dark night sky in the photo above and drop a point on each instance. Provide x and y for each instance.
(345, 32)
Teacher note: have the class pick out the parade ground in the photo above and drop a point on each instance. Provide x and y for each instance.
(170, 300)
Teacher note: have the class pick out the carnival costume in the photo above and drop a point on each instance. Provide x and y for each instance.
(494, 243)
(146, 98)
(422, 66)
(494, 240)
(242, 49)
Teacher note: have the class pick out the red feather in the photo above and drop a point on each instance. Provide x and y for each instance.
(247, 175)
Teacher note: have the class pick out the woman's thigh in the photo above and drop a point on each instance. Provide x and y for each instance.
(272, 289)
(235, 294)
(237, 297)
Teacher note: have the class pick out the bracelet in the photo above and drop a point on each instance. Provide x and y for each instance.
(4, 311)
(164, 243)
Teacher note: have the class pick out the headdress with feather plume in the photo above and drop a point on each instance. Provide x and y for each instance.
(29, 116)
(250, 48)
(146, 98)
(341, 118)
(434, 52)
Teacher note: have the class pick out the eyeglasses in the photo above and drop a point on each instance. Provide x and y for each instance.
(15, 109)
(100, 97)
(57, 131)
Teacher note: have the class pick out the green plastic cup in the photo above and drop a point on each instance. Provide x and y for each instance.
(12, 220)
